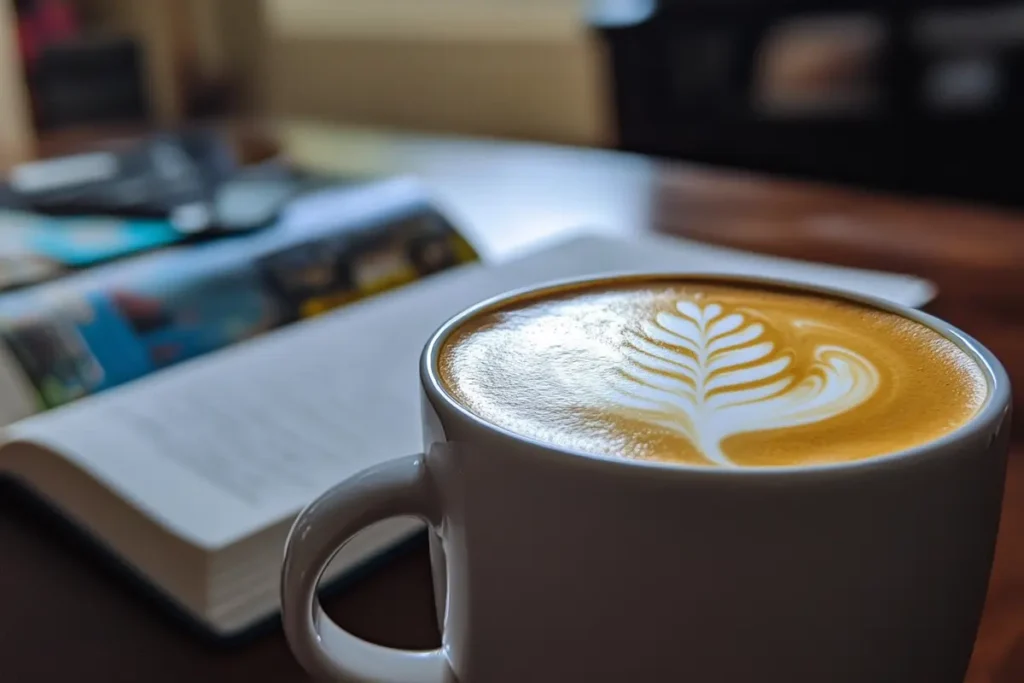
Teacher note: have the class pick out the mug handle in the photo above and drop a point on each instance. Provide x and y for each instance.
(395, 488)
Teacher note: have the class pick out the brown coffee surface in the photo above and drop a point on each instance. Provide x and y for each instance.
(710, 373)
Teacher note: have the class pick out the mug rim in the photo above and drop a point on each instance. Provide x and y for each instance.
(996, 403)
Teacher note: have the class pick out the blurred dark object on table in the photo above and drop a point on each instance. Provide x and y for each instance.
(197, 178)
(913, 96)
(157, 177)
(123, 197)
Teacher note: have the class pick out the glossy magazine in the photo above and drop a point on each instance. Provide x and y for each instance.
(100, 328)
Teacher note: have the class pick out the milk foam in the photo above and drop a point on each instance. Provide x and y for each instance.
(710, 374)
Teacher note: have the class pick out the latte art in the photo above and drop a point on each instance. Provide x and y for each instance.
(708, 375)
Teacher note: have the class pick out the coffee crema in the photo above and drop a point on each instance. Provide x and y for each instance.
(708, 373)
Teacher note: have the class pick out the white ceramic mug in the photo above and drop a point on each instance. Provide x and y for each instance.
(563, 566)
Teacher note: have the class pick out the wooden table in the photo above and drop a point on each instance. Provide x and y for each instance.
(64, 618)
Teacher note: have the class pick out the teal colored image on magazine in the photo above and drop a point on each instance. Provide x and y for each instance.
(76, 242)
(79, 242)
(176, 318)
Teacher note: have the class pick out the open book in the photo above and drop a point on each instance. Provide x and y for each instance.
(191, 476)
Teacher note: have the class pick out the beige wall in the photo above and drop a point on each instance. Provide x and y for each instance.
(526, 68)
(427, 19)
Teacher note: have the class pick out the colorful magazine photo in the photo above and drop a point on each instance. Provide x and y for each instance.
(97, 329)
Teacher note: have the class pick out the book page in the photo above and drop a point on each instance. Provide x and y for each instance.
(220, 447)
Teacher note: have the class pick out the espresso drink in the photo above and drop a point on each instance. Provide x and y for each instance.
(710, 373)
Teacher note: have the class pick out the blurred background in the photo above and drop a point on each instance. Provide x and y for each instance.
(918, 97)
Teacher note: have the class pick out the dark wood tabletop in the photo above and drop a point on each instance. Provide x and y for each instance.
(65, 617)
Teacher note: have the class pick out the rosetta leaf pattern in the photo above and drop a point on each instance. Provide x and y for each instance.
(707, 373)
